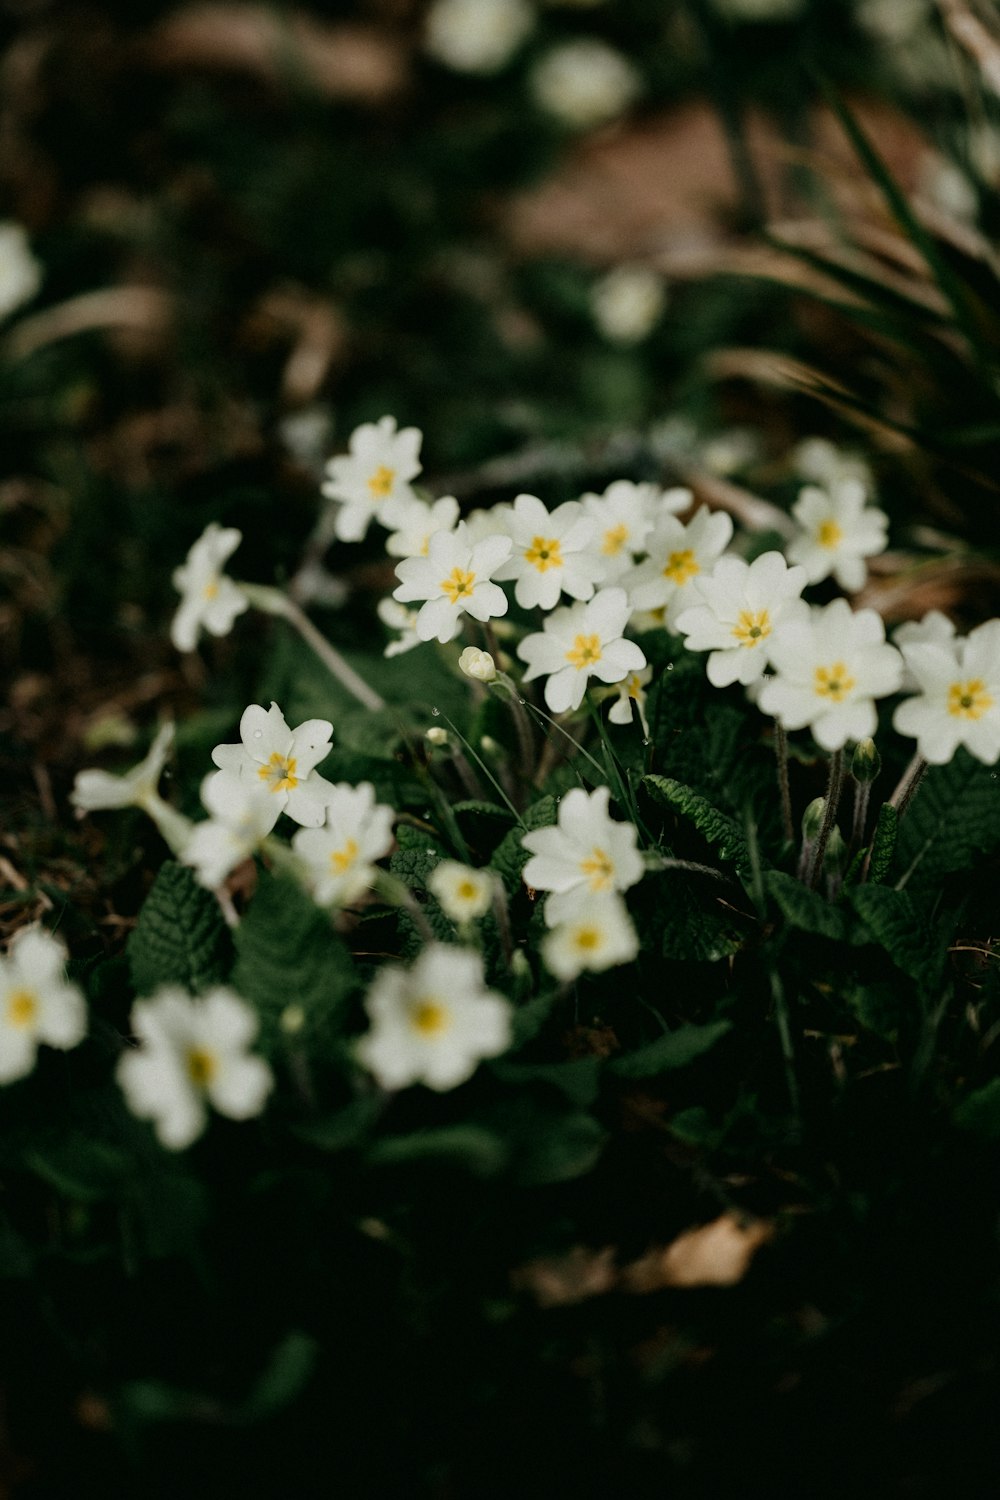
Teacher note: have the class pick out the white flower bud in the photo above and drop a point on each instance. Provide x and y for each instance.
(477, 664)
(437, 736)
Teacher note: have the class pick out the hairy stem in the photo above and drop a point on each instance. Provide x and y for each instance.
(833, 790)
(781, 757)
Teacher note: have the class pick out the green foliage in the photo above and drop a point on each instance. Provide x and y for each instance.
(893, 920)
(883, 845)
(979, 1112)
(674, 1049)
(181, 937)
(715, 827)
(807, 910)
(954, 817)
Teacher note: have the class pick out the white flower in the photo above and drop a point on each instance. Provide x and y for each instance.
(419, 524)
(477, 36)
(624, 516)
(242, 817)
(96, 791)
(823, 463)
(340, 857)
(193, 1053)
(584, 83)
(20, 272)
(485, 522)
(728, 452)
(432, 1023)
(464, 894)
(678, 554)
(830, 669)
(398, 617)
(627, 303)
(278, 760)
(935, 628)
(959, 699)
(477, 664)
(744, 607)
(579, 642)
(373, 478)
(454, 579)
(37, 1002)
(586, 852)
(838, 532)
(598, 934)
(209, 600)
(632, 690)
(553, 553)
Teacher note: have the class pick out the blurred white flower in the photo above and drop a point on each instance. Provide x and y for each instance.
(192, 1053)
(678, 554)
(934, 628)
(959, 697)
(340, 857)
(433, 1023)
(464, 893)
(598, 934)
(477, 36)
(477, 664)
(839, 531)
(743, 608)
(578, 642)
(624, 516)
(242, 815)
(553, 553)
(95, 791)
(587, 852)
(278, 760)
(454, 579)
(372, 480)
(632, 691)
(728, 452)
(585, 83)
(20, 271)
(398, 617)
(419, 525)
(209, 600)
(628, 302)
(823, 463)
(37, 1002)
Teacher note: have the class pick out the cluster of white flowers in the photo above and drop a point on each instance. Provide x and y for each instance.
(37, 1002)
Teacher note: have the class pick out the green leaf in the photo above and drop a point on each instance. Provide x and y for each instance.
(181, 937)
(716, 828)
(472, 1148)
(679, 915)
(413, 865)
(893, 921)
(285, 1375)
(578, 1080)
(883, 843)
(954, 816)
(343, 1129)
(511, 857)
(87, 1171)
(806, 909)
(560, 1148)
(979, 1111)
(675, 1049)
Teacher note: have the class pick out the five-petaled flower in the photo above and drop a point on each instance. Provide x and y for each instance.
(959, 698)
(372, 480)
(339, 858)
(597, 934)
(678, 555)
(37, 1002)
(419, 524)
(742, 609)
(632, 693)
(553, 553)
(209, 599)
(464, 893)
(578, 642)
(277, 760)
(587, 852)
(454, 579)
(624, 516)
(242, 815)
(839, 531)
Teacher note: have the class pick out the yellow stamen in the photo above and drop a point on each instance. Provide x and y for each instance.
(614, 540)
(584, 652)
(201, 1066)
(458, 585)
(467, 891)
(544, 553)
(279, 773)
(681, 566)
(969, 700)
(751, 628)
(599, 870)
(587, 938)
(833, 682)
(634, 688)
(211, 589)
(829, 534)
(381, 482)
(429, 1017)
(343, 859)
(22, 1008)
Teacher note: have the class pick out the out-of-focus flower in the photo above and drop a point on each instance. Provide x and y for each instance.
(579, 642)
(598, 934)
(823, 463)
(959, 698)
(372, 480)
(20, 271)
(279, 760)
(624, 516)
(552, 553)
(209, 600)
(586, 852)
(96, 791)
(934, 629)
(242, 815)
(192, 1053)
(340, 857)
(477, 664)
(477, 36)
(839, 530)
(628, 302)
(433, 1023)
(37, 1002)
(728, 452)
(398, 617)
(419, 525)
(632, 691)
(454, 579)
(585, 83)
(744, 607)
(465, 894)
(678, 554)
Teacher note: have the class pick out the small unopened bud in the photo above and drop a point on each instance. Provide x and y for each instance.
(477, 664)
(488, 745)
(866, 762)
(812, 819)
(437, 736)
(293, 1018)
(836, 850)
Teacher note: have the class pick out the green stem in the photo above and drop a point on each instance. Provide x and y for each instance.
(833, 790)
(781, 757)
(274, 602)
(909, 784)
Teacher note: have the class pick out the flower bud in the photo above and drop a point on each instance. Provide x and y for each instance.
(437, 736)
(489, 746)
(812, 819)
(836, 850)
(866, 762)
(477, 664)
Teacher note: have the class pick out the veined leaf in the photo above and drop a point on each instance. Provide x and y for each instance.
(181, 937)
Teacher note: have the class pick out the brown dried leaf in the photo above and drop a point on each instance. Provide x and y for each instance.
(715, 1254)
(561, 1280)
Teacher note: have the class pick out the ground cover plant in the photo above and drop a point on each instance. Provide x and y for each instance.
(502, 773)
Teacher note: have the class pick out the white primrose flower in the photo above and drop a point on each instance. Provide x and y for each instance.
(464, 893)
(477, 664)
(578, 642)
(340, 857)
(432, 1023)
(242, 815)
(959, 697)
(830, 668)
(398, 617)
(838, 532)
(20, 271)
(627, 303)
(678, 554)
(477, 36)
(419, 524)
(598, 934)
(485, 521)
(454, 579)
(372, 480)
(632, 690)
(97, 791)
(192, 1053)
(553, 553)
(209, 600)
(585, 83)
(278, 760)
(587, 852)
(744, 607)
(823, 463)
(935, 628)
(623, 516)
(37, 1002)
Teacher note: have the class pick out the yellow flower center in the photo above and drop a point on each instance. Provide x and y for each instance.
(829, 534)
(429, 1017)
(833, 682)
(458, 585)
(343, 859)
(614, 540)
(380, 483)
(467, 891)
(634, 688)
(201, 1066)
(544, 553)
(587, 938)
(598, 869)
(584, 652)
(681, 566)
(279, 773)
(211, 589)
(752, 628)
(22, 1008)
(969, 700)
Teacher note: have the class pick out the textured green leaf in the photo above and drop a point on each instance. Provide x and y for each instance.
(413, 865)
(806, 909)
(472, 1148)
(716, 828)
(679, 914)
(954, 816)
(674, 1049)
(979, 1111)
(883, 843)
(893, 921)
(181, 937)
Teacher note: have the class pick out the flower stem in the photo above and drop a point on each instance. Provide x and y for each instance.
(833, 790)
(908, 785)
(522, 726)
(274, 602)
(781, 757)
(862, 794)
